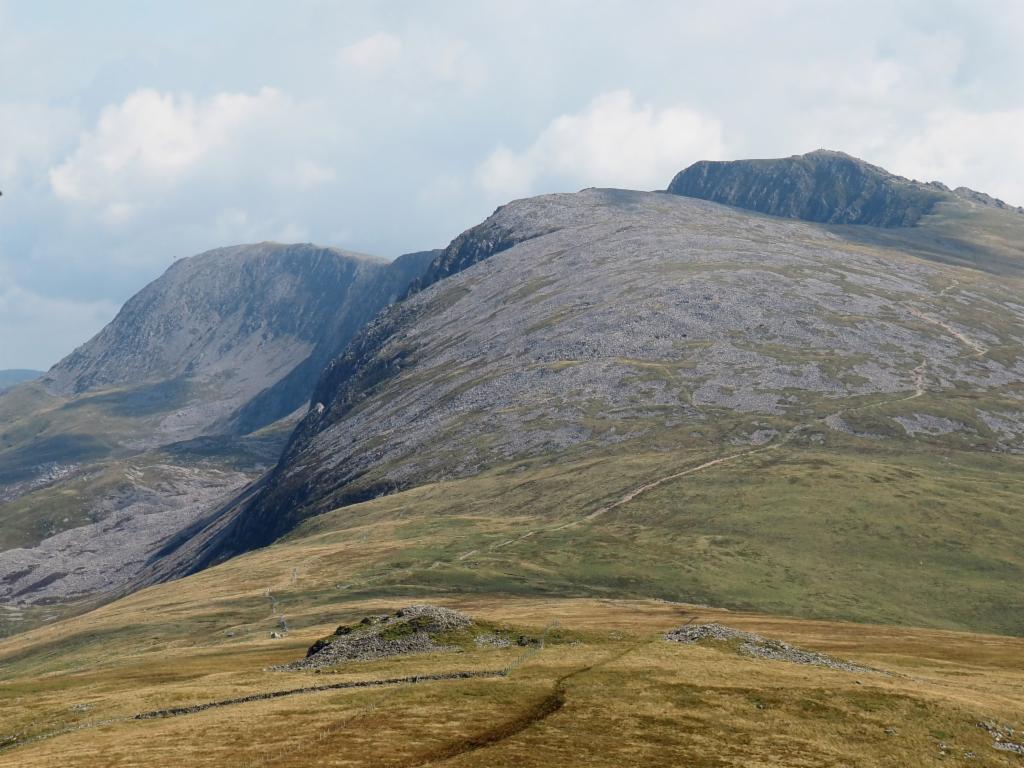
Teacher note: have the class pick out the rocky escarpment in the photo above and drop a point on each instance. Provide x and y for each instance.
(192, 374)
(823, 186)
(357, 306)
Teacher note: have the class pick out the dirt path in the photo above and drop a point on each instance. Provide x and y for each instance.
(980, 350)
(669, 478)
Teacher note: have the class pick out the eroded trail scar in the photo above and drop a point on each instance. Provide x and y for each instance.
(546, 707)
(980, 350)
(675, 476)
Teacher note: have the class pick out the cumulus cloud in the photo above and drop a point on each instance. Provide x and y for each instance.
(153, 147)
(157, 139)
(980, 149)
(374, 53)
(30, 134)
(613, 142)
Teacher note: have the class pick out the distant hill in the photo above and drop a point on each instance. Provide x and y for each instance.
(15, 376)
(233, 325)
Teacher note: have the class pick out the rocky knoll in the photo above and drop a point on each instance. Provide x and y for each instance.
(415, 629)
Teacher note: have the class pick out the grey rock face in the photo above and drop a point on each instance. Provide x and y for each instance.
(246, 323)
(102, 556)
(823, 186)
(221, 345)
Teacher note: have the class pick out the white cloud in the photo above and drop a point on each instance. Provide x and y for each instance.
(374, 53)
(154, 138)
(309, 174)
(984, 150)
(613, 142)
(30, 135)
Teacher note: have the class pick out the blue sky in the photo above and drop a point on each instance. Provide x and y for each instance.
(135, 133)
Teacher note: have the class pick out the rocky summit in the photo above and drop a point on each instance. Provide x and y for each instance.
(236, 325)
(824, 186)
(413, 629)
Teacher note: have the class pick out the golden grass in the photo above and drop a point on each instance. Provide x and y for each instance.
(628, 697)
(611, 692)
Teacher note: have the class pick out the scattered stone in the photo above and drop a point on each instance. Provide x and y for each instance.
(1004, 736)
(756, 646)
(492, 640)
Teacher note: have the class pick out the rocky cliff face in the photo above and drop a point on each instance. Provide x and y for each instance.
(587, 322)
(823, 186)
(240, 325)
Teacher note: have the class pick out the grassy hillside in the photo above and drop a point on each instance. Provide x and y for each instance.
(606, 688)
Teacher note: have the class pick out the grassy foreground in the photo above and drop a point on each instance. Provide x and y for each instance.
(792, 530)
(611, 692)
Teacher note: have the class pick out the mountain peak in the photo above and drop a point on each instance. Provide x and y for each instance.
(825, 185)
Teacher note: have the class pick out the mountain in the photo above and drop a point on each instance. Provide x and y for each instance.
(623, 478)
(180, 401)
(235, 325)
(15, 376)
(823, 186)
(655, 382)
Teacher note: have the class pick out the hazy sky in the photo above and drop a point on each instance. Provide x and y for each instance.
(134, 133)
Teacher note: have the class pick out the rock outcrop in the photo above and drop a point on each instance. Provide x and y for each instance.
(755, 646)
(415, 629)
